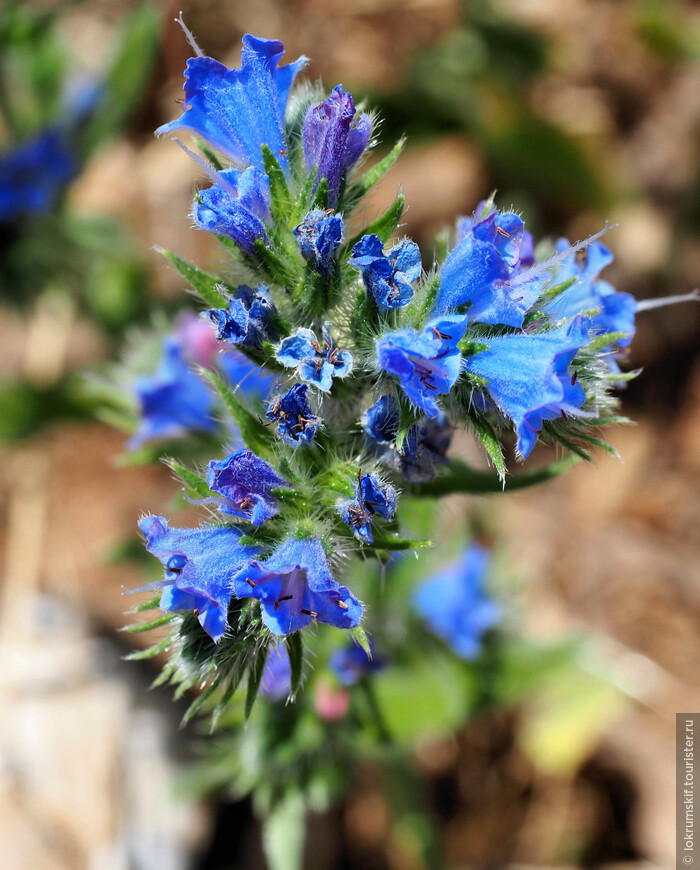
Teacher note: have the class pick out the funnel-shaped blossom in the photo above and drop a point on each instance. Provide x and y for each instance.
(237, 111)
(237, 207)
(426, 363)
(295, 587)
(528, 377)
(316, 363)
(320, 235)
(296, 422)
(276, 680)
(246, 482)
(589, 292)
(249, 319)
(487, 271)
(199, 567)
(372, 498)
(388, 277)
(334, 138)
(454, 604)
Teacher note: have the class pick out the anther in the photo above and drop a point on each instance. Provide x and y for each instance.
(281, 599)
(250, 582)
(563, 415)
(341, 604)
(309, 613)
(246, 503)
(574, 378)
(502, 232)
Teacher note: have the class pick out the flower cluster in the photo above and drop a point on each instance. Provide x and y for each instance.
(374, 364)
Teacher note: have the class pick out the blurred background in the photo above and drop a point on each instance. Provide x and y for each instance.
(575, 112)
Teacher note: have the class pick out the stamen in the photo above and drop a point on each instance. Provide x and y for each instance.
(502, 232)
(250, 582)
(188, 35)
(341, 604)
(574, 378)
(245, 503)
(196, 611)
(281, 599)
(310, 613)
(563, 415)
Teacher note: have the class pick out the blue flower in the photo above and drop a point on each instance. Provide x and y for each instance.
(372, 497)
(237, 207)
(425, 447)
(618, 310)
(426, 363)
(33, 175)
(334, 138)
(246, 376)
(352, 663)
(239, 111)
(486, 270)
(249, 319)
(381, 421)
(199, 567)
(320, 235)
(528, 377)
(245, 481)
(292, 412)
(173, 400)
(388, 277)
(315, 363)
(295, 587)
(276, 680)
(454, 603)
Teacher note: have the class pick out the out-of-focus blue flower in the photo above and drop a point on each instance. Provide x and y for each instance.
(276, 680)
(295, 587)
(351, 663)
(236, 208)
(381, 421)
(199, 567)
(334, 138)
(487, 270)
(245, 481)
(388, 277)
(454, 603)
(320, 235)
(239, 111)
(372, 497)
(426, 363)
(424, 448)
(618, 310)
(173, 400)
(315, 363)
(292, 412)
(33, 175)
(246, 376)
(528, 377)
(249, 319)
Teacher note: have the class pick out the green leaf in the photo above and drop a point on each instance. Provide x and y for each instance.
(192, 481)
(374, 173)
(557, 289)
(255, 675)
(199, 702)
(256, 436)
(151, 604)
(150, 652)
(205, 284)
(555, 435)
(153, 623)
(359, 635)
(320, 199)
(384, 225)
(295, 650)
(603, 341)
(461, 478)
(280, 199)
(283, 833)
(274, 266)
(484, 432)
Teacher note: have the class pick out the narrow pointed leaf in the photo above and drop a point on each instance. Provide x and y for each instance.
(295, 650)
(280, 199)
(192, 481)
(205, 284)
(385, 225)
(373, 174)
(255, 435)
(359, 635)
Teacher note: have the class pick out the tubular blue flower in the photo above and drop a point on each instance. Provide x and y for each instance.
(199, 567)
(236, 208)
(426, 363)
(320, 235)
(351, 663)
(292, 412)
(618, 310)
(388, 277)
(486, 270)
(528, 377)
(334, 138)
(315, 363)
(33, 175)
(249, 319)
(454, 604)
(295, 587)
(237, 111)
(372, 498)
(381, 421)
(425, 447)
(173, 400)
(276, 680)
(246, 482)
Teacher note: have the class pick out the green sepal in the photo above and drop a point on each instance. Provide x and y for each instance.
(274, 266)
(369, 178)
(255, 675)
(622, 377)
(295, 651)
(302, 207)
(553, 434)
(206, 285)
(150, 652)
(254, 433)
(470, 347)
(320, 199)
(151, 604)
(489, 441)
(396, 544)
(598, 442)
(602, 341)
(158, 622)
(191, 480)
(200, 701)
(557, 290)
(280, 199)
(359, 635)
(384, 225)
